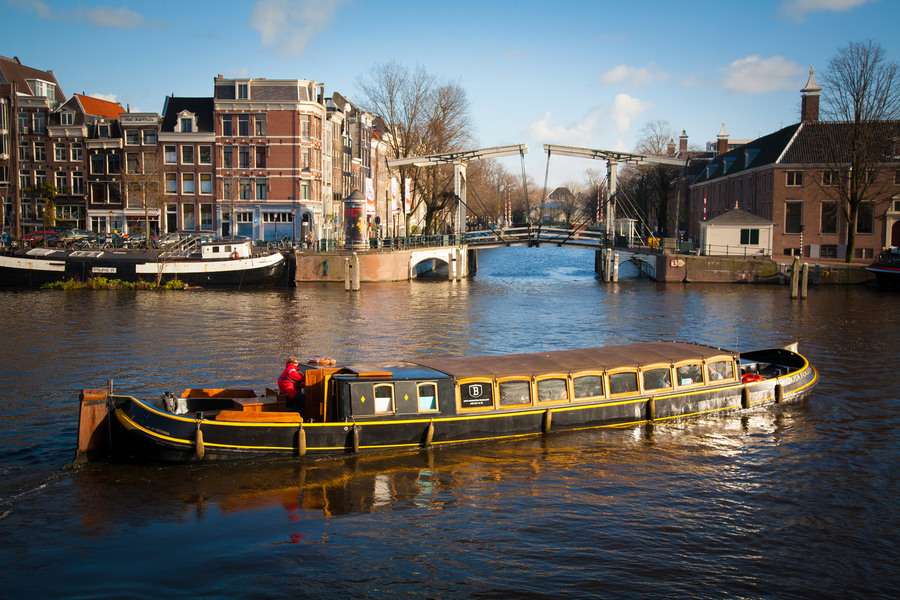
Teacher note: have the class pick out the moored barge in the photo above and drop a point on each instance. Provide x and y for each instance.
(450, 400)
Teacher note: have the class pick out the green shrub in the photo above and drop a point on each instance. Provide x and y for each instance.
(104, 283)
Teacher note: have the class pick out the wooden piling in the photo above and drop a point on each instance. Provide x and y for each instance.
(795, 278)
(429, 434)
(301, 441)
(779, 394)
(355, 272)
(804, 281)
(615, 269)
(356, 439)
(199, 446)
(745, 397)
(547, 422)
(651, 410)
(347, 268)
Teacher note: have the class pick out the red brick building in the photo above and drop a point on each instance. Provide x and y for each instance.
(268, 135)
(789, 177)
(187, 151)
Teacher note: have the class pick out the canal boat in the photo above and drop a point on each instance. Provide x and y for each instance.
(437, 401)
(887, 269)
(191, 260)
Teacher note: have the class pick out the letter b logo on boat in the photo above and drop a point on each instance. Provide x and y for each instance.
(475, 390)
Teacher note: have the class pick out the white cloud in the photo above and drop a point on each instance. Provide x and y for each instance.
(636, 76)
(625, 109)
(580, 133)
(116, 17)
(798, 9)
(289, 26)
(757, 75)
(108, 97)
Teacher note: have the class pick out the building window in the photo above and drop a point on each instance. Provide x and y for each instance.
(25, 152)
(113, 163)
(62, 182)
(246, 189)
(831, 178)
(78, 182)
(132, 164)
(132, 137)
(188, 184)
(187, 155)
(262, 188)
(244, 157)
(260, 157)
(228, 157)
(103, 130)
(150, 137)
(205, 155)
(304, 191)
(794, 178)
(243, 91)
(206, 217)
(829, 217)
(40, 155)
(24, 180)
(4, 174)
(793, 217)
(243, 125)
(171, 217)
(40, 122)
(206, 184)
(749, 237)
(828, 251)
(59, 152)
(98, 193)
(24, 121)
(67, 118)
(285, 216)
(259, 122)
(866, 253)
(226, 189)
(865, 218)
(40, 178)
(897, 177)
(187, 125)
(171, 183)
(171, 155)
(227, 125)
(304, 158)
(98, 164)
(188, 222)
(77, 152)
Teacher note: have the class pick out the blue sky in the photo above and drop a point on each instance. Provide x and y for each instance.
(584, 73)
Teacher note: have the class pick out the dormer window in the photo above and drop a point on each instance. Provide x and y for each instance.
(103, 130)
(242, 91)
(42, 88)
(187, 122)
(67, 118)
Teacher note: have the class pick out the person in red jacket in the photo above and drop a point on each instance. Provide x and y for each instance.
(290, 382)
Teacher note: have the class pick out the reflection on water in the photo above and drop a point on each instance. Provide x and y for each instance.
(798, 501)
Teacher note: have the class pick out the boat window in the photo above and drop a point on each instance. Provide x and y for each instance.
(228, 249)
(689, 374)
(721, 369)
(384, 398)
(657, 379)
(215, 248)
(622, 383)
(427, 397)
(588, 386)
(515, 392)
(552, 390)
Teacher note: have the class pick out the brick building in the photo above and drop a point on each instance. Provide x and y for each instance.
(788, 177)
(187, 142)
(27, 98)
(142, 173)
(268, 135)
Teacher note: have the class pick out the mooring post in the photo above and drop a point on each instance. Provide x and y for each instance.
(615, 269)
(347, 274)
(804, 281)
(356, 273)
(795, 278)
(608, 263)
(452, 267)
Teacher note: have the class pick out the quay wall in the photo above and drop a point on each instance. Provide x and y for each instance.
(680, 268)
(374, 265)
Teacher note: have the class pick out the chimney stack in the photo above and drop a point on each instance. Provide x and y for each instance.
(722, 141)
(809, 99)
(682, 144)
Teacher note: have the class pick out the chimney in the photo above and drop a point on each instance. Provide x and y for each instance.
(127, 107)
(809, 99)
(670, 148)
(682, 144)
(722, 141)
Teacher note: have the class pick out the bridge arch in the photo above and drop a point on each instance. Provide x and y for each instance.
(452, 256)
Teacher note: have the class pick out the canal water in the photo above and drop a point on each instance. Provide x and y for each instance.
(798, 502)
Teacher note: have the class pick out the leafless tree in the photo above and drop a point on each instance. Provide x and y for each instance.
(655, 139)
(144, 179)
(422, 117)
(861, 97)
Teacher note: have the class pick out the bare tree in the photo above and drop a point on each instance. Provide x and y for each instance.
(144, 179)
(421, 117)
(861, 97)
(656, 138)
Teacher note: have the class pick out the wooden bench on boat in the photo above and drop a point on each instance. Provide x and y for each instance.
(242, 405)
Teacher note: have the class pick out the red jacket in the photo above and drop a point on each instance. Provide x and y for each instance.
(289, 381)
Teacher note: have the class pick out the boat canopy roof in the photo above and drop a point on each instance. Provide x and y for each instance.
(570, 361)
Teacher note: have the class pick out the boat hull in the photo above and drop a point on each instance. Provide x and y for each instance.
(150, 433)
